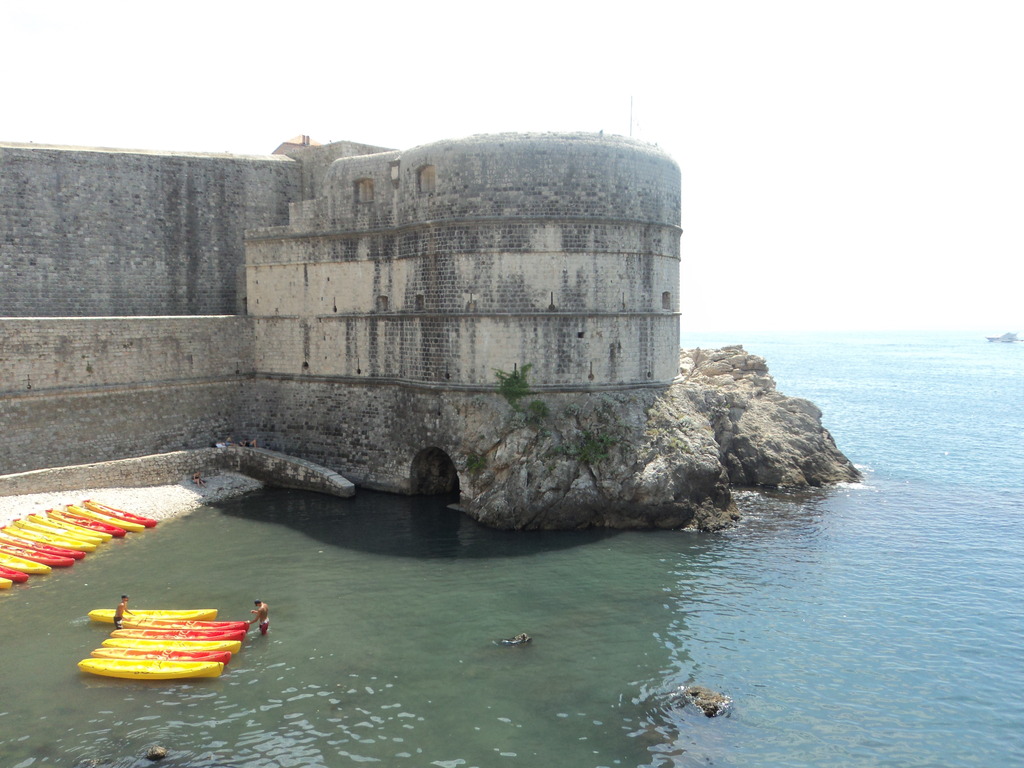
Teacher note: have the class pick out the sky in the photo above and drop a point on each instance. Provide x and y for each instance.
(845, 165)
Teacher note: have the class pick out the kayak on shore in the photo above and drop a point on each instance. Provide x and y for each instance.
(7, 538)
(86, 522)
(120, 514)
(46, 525)
(12, 574)
(23, 564)
(36, 556)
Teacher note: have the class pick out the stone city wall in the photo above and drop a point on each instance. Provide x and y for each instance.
(77, 390)
(91, 232)
(369, 432)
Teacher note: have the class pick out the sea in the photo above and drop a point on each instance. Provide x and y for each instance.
(874, 624)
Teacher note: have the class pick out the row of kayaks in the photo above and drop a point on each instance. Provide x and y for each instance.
(36, 544)
(165, 645)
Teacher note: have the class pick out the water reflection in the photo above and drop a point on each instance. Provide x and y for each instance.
(401, 526)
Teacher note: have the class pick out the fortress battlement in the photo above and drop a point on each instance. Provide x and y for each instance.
(357, 285)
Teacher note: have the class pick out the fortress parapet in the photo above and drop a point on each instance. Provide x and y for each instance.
(439, 264)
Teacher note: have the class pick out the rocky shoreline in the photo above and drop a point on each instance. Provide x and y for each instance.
(647, 458)
(637, 459)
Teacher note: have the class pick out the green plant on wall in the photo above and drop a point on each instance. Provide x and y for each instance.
(513, 386)
(536, 412)
(590, 448)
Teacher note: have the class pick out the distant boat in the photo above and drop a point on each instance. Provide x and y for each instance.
(1006, 338)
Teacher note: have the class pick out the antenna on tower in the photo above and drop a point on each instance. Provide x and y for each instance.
(631, 116)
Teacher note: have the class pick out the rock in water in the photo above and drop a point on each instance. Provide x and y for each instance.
(711, 703)
(643, 458)
(765, 438)
(156, 753)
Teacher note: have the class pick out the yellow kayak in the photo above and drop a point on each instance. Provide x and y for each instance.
(106, 615)
(57, 541)
(53, 529)
(23, 564)
(5, 583)
(150, 669)
(62, 525)
(88, 511)
(176, 645)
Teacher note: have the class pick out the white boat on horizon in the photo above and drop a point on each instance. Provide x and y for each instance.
(1006, 338)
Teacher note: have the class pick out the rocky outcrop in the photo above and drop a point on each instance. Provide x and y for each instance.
(765, 438)
(643, 458)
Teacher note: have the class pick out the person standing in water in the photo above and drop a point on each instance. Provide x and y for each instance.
(120, 611)
(262, 611)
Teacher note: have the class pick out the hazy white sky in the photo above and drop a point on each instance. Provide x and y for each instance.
(846, 165)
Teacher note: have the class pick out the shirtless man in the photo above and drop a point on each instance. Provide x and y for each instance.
(262, 611)
(120, 611)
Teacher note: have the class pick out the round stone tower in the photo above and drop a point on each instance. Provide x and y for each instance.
(441, 264)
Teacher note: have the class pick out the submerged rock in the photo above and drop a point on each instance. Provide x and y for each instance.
(711, 703)
(156, 753)
(647, 458)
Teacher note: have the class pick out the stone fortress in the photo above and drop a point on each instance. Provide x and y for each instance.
(354, 306)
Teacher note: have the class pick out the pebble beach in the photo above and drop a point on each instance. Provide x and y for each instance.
(158, 502)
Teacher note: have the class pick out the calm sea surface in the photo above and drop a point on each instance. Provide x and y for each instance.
(874, 625)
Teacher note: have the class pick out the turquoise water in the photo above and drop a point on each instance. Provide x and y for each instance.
(871, 625)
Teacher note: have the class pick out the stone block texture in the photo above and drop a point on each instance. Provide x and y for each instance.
(87, 232)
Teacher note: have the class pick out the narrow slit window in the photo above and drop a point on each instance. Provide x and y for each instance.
(666, 300)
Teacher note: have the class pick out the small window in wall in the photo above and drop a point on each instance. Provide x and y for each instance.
(419, 302)
(666, 300)
(426, 179)
(382, 303)
(364, 191)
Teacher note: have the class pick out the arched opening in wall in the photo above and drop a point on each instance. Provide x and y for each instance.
(433, 473)
(666, 300)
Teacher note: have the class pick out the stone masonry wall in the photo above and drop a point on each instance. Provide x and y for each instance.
(449, 261)
(80, 390)
(369, 432)
(89, 232)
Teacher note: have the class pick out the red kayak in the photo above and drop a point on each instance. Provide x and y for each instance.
(84, 522)
(157, 655)
(13, 575)
(219, 626)
(131, 517)
(180, 634)
(12, 539)
(36, 556)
